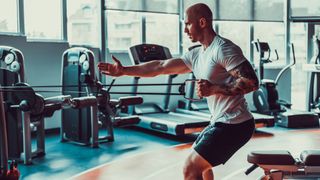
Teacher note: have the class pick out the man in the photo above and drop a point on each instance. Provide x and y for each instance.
(224, 74)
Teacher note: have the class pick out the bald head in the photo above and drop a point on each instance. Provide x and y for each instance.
(199, 10)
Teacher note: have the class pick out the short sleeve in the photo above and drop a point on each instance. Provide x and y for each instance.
(230, 56)
(187, 59)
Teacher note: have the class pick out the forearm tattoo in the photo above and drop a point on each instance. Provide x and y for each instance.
(245, 81)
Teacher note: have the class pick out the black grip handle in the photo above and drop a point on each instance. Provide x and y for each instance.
(130, 100)
(82, 102)
(126, 121)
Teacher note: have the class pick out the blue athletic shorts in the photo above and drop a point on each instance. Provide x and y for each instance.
(219, 141)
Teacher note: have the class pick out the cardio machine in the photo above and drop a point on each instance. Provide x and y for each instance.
(152, 115)
(266, 98)
(314, 80)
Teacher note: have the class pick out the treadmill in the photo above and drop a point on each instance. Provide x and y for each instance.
(152, 116)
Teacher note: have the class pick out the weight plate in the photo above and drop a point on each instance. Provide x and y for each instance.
(9, 58)
(38, 107)
(15, 66)
(23, 92)
(86, 65)
(82, 58)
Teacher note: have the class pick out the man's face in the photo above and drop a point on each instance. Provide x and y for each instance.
(192, 28)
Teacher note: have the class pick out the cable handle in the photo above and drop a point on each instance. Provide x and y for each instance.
(81, 102)
(185, 95)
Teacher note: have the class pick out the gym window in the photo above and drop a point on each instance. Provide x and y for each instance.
(163, 29)
(124, 29)
(238, 32)
(298, 36)
(9, 16)
(83, 22)
(273, 33)
(153, 21)
(308, 8)
(43, 19)
(317, 30)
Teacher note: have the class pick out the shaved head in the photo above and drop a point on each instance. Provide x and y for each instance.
(199, 10)
(198, 24)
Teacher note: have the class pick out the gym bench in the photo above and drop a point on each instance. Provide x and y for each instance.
(278, 165)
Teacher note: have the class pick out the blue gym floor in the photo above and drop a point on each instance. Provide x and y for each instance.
(63, 160)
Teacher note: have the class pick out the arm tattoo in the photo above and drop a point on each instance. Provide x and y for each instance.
(245, 80)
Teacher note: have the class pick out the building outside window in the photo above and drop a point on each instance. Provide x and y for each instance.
(274, 37)
(43, 19)
(305, 8)
(317, 30)
(9, 16)
(237, 32)
(83, 22)
(298, 76)
(124, 29)
(163, 29)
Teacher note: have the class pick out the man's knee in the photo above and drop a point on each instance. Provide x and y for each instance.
(191, 170)
(195, 166)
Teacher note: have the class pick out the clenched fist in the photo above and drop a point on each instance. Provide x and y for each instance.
(115, 69)
(203, 88)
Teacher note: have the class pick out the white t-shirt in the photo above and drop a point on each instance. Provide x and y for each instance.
(213, 64)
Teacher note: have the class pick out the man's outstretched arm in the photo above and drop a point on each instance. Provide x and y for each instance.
(149, 69)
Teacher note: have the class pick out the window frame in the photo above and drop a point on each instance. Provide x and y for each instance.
(63, 36)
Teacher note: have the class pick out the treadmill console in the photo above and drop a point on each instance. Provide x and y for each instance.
(147, 52)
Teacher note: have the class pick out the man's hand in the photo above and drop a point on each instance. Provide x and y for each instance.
(203, 88)
(115, 69)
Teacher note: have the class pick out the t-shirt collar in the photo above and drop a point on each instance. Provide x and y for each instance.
(211, 44)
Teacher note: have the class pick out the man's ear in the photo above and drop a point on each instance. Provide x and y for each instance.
(203, 22)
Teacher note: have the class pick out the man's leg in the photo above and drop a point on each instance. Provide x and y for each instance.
(197, 168)
(208, 175)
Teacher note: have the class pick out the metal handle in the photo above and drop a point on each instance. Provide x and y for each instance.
(191, 99)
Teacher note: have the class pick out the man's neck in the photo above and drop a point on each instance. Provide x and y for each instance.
(208, 37)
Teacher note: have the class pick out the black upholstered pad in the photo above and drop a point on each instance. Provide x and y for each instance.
(271, 157)
(310, 157)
